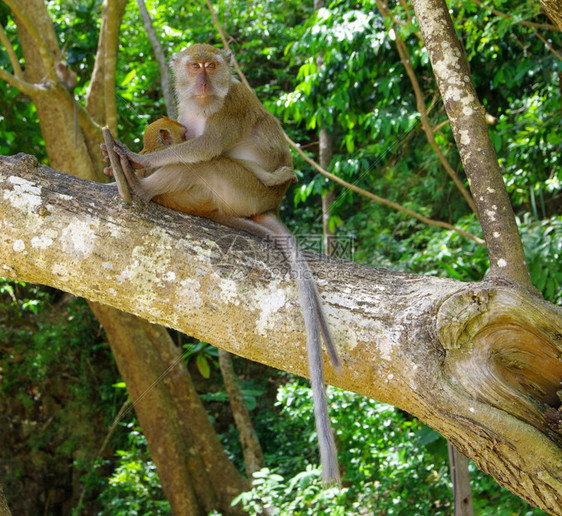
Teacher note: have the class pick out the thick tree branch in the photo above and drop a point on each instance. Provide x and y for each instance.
(481, 363)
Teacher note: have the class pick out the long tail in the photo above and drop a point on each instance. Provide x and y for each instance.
(266, 226)
(315, 324)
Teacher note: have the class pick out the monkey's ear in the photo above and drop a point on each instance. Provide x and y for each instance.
(228, 57)
(165, 137)
(176, 56)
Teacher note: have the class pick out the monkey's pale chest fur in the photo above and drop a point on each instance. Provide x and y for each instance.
(194, 123)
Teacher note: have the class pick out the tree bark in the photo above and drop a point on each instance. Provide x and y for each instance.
(479, 362)
(553, 10)
(191, 463)
(251, 447)
(460, 476)
(468, 122)
(4, 509)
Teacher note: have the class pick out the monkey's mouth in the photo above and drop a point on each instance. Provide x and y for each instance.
(204, 97)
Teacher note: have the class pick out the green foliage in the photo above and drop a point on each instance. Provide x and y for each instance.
(543, 249)
(56, 372)
(206, 356)
(18, 116)
(392, 464)
(134, 487)
(56, 397)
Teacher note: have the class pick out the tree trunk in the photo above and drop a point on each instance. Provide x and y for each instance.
(460, 476)
(191, 463)
(251, 447)
(479, 362)
(4, 509)
(468, 122)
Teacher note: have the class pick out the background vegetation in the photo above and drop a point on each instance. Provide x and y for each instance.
(60, 390)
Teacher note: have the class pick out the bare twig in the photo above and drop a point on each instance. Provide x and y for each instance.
(381, 200)
(227, 46)
(531, 25)
(525, 23)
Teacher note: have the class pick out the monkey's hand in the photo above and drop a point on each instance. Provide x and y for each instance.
(108, 171)
(136, 160)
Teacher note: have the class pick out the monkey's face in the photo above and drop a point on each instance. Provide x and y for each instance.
(202, 73)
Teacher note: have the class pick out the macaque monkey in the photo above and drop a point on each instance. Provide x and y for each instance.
(69, 80)
(212, 174)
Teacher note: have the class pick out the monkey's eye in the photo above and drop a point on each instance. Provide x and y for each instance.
(211, 66)
(195, 66)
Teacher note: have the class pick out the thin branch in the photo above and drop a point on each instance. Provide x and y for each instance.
(25, 87)
(381, 200)
(11, 54)
(227, 46)
(160, 59)
(404, 4)
(525, 23)
(122, 411)
(438, 127)
(546, 44)
(420, 103)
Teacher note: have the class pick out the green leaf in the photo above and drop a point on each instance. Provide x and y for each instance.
(129, 77)
(203, 366)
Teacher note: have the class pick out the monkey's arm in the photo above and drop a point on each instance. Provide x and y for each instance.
(192, 151)
(279, 176)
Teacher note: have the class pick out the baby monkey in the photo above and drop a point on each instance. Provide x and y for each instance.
(232, 165)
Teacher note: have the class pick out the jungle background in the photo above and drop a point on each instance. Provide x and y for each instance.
(70, 443)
